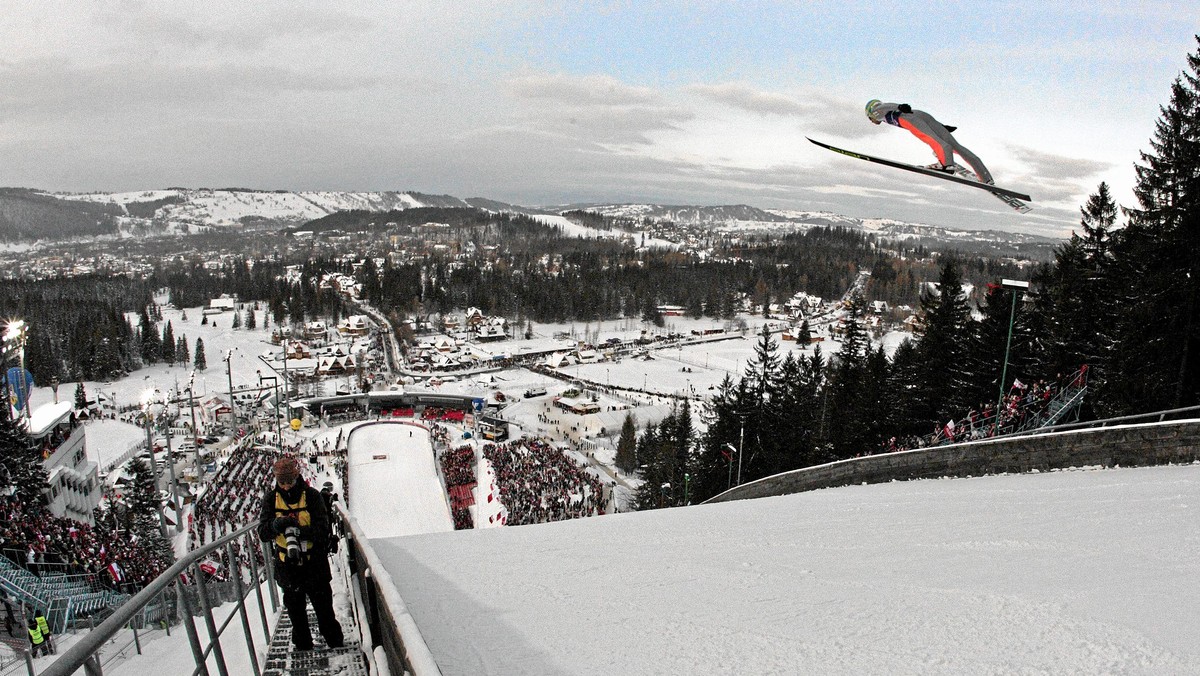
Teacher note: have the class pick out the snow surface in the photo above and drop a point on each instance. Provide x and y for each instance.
(572, 229)
(1065, 572)
(394, 486)
(110, 442)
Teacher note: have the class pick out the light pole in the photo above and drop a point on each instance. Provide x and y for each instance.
(741, 446)
(275, 382)
(174, 482)
(148, 421)
(733, 451)
(1014, 286)
(232, 403)
(192, 407)
(286, 383)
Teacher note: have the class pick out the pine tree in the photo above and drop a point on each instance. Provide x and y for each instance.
(107, 364)
(168, 344)
(903, 386)
(1073, 310)
(237, 320)
(763, 367)
(944, 382)
(151, 341)
(682, 438)
(658, 453)
(141, 496)
(626, 459)
(804, 335)
(142, 514)
(712, 467)
(181, 350)
(200, 363)
(1156, 355)
(850, 411)
(651, 313)
(251, 322)
(80, 397)
(21, 467)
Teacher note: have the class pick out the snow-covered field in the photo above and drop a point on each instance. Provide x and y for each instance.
(1088, 571)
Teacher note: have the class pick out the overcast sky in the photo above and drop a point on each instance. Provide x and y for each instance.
(550, 103)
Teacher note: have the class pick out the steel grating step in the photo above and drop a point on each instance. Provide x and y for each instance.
(284, 660)
(346, 661)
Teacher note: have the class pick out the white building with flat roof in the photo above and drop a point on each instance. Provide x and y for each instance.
(73, 484)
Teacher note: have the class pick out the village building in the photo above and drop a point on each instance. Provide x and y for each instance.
(315, 330)
(577, 406)
(354, 325)
(492, 428)
(216, 306)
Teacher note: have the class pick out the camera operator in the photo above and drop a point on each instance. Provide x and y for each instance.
(294, 516)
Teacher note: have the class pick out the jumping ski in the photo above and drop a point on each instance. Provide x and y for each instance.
(1012, 198)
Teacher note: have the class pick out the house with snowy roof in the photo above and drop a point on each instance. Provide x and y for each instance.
(354, 325)
(225, 303)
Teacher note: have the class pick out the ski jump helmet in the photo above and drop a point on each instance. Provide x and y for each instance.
(872, 109)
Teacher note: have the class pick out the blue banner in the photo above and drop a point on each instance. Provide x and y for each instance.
(20, 383)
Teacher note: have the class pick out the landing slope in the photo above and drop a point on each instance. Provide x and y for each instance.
(394, 487)
(1089, 571)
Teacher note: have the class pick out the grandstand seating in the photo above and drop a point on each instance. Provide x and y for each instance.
(1064, 400)
(63, 597)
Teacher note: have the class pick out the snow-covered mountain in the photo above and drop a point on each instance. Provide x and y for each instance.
(685, 214)
(176, 211)
(185, 210)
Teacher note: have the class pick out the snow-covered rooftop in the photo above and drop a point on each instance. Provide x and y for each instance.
(47, 416)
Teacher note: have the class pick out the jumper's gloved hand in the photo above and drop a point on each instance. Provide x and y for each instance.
(282, 523)
(904, 108)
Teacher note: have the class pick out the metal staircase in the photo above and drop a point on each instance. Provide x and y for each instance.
(284, 660)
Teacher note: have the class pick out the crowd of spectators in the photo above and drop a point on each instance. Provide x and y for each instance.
(451, 415)
(1024, 406)
(458, 468)
(539, 483)
(40, 541)
(230, 500)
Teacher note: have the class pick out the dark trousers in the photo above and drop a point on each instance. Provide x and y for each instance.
(296, 599)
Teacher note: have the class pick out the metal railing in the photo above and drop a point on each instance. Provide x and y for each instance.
(135, 613)
(386, 620)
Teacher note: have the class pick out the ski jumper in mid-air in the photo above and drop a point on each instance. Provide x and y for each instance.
(931, 132)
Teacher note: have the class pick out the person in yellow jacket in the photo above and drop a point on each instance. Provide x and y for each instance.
(294, 518)
(37, 642)
(44, 627)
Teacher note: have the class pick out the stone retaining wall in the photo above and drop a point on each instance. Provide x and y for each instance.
(1126, 446)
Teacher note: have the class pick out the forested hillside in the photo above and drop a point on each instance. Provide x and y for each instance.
(30, 215)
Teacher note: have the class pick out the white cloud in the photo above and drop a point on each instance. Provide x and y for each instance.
(586, 90)
(747, 98)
